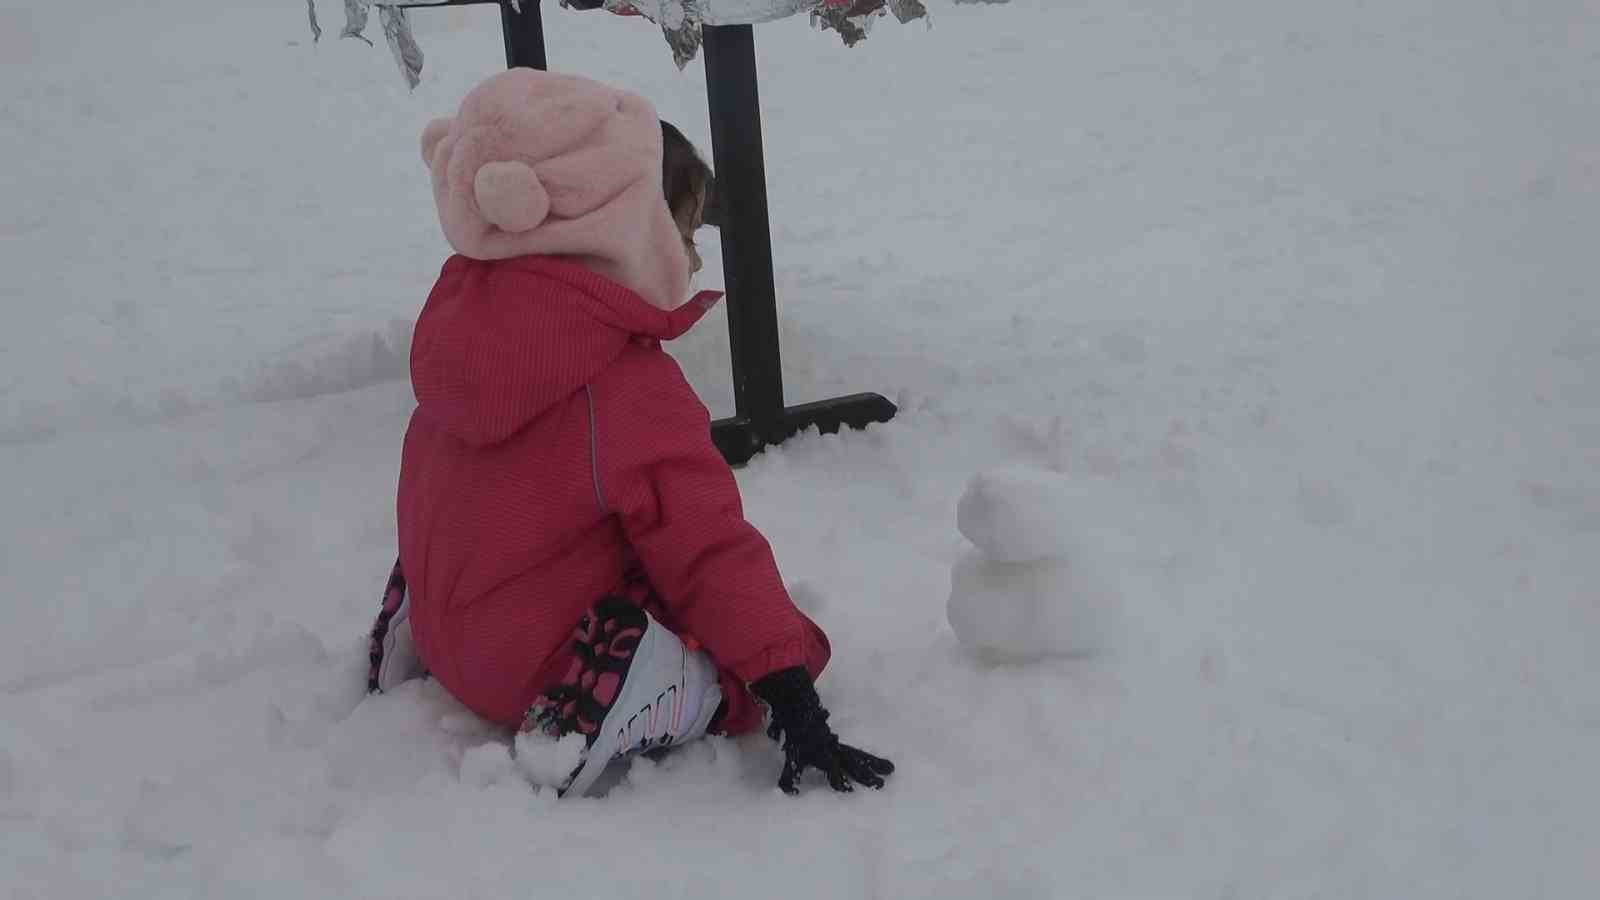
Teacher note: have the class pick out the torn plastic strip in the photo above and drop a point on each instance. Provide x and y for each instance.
(397, 31)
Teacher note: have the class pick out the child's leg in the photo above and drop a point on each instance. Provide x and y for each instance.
(631, 685)
(740, 713)
(392, 655)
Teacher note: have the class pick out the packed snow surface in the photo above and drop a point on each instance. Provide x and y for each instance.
(1305, 290)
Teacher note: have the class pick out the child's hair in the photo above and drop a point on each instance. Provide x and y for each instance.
(684, 174)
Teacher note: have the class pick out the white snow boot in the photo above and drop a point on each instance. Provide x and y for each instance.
(636, 688)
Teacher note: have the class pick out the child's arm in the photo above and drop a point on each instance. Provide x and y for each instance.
(660, 474)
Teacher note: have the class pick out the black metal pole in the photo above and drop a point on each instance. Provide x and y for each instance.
(735, 107)
(524, 34)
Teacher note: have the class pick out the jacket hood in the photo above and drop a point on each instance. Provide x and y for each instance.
(500, 342)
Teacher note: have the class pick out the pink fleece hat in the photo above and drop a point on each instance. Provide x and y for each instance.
(558, 165)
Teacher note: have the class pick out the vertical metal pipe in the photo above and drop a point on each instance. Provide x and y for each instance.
(735, 107)
(524, 34)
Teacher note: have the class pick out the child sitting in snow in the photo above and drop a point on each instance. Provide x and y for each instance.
(574, 545)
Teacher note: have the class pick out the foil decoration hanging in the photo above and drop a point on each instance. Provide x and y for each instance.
(680, 21)
(397, 31)
(355, 20)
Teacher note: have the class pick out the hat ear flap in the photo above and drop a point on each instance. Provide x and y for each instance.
(432, 134)
(510, 196)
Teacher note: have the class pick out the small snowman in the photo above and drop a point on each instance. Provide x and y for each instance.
(1028, 590)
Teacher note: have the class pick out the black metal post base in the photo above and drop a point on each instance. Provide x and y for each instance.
(740, 439)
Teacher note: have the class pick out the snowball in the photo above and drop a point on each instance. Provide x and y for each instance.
(1017, 514)
(1019, 612)
(549, 762)
(486, 764)
(460, 724)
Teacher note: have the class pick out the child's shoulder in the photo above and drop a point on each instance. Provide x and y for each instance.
(646, 381)
(642, 369)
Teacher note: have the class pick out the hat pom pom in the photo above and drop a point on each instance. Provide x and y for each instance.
(510, 196)
(431, 136)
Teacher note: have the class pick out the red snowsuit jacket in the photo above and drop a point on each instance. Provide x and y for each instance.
(554, 446)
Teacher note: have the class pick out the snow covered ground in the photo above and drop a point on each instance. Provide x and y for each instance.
(1302, 294)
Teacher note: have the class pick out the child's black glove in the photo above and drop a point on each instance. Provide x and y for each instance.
(799, 720)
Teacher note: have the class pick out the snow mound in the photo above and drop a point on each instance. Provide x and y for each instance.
(487, 764)
(1030, 590)
(546, 761)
